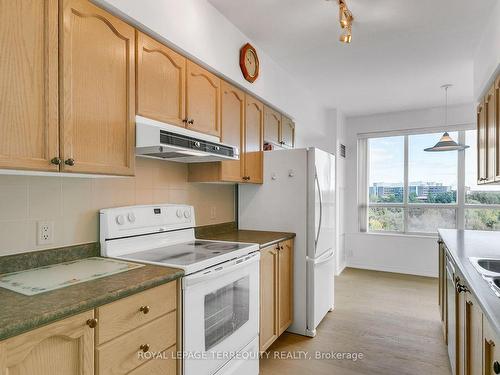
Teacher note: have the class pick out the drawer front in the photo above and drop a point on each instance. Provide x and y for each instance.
(125, 315)
(124, 353)
(164, 365)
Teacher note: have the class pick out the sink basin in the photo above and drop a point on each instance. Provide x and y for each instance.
(492, 265)
(486, 266)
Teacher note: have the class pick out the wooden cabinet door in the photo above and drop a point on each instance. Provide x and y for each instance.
(98, 90)
(254, 116)
(491, 350)
(497, 128)
(161, 82)
(272, 125)
(473, 336)
(232, 129)
(62, 348)
(202, 100)
(287, 132)
(460, 330)
(268, 296)
(29, 127)
(285, 285)
(482, 145)
(489, 111)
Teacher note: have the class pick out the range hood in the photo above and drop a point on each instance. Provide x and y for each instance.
(159, 140)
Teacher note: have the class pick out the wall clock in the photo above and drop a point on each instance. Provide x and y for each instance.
(249, 62)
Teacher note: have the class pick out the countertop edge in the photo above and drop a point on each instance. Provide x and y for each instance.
(27, 325)
(284, 238)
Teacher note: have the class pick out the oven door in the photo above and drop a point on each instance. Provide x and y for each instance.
(220, 313)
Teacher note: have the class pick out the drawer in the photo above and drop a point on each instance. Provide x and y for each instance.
(125, 315)
(123, 353)
(165, 365)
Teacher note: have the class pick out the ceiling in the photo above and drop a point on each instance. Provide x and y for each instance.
(402, 50)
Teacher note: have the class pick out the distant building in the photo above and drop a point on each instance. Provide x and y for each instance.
(420, 189)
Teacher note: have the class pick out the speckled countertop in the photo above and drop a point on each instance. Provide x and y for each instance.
(461, 245)
(230, 232)
(20, 313)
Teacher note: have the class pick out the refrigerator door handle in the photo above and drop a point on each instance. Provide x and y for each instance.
(320, 207)
(324, 258)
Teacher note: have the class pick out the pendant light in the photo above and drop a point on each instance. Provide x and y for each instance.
(446, 143)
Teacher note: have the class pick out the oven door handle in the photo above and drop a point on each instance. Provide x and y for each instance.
(220, 270)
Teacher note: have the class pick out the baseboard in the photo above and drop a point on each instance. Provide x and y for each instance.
(340, 268)
(385, 268)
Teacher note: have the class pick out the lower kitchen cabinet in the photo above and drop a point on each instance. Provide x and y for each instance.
(491, 350)
(121, 336)
(477, 345)
(62, 348)
(473, 327)
(276, 292)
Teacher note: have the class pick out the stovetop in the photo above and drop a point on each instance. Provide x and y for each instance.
(194, 255)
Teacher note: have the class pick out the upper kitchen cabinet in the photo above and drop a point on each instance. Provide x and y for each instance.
(202, 100)
(232, 129)
(161, 82)
(287, 132)
(254, 124)
(272, 125)
(97, 91)
(488, 136)
(29, 127)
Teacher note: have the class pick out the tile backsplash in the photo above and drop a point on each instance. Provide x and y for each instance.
(72, 204)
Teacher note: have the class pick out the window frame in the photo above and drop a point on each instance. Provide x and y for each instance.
(460, 206)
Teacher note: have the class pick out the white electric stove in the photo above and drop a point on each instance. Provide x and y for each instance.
(220, 289)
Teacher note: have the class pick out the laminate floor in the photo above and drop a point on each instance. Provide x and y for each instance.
(392, 319)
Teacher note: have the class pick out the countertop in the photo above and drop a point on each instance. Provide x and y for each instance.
(461, 245)
(263, 238)
(20, 313)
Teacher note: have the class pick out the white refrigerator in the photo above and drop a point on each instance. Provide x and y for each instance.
(298, 195)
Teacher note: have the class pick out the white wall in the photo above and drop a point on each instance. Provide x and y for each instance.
(386, 252)
(487, 58)
(197, 29)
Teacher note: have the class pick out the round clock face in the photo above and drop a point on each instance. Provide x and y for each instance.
(251, 62)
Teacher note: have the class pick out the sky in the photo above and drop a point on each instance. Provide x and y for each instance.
(387, 161)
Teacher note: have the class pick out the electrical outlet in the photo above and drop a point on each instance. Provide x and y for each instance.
(45, 230)
(213, 212)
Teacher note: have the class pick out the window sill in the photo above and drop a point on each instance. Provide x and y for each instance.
(406, 235)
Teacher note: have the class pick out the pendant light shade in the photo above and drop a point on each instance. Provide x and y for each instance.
(446, 143)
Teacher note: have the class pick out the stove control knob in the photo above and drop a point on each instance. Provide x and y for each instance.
(131, 217)
(187, 214)
(120, 219)
(179, 213)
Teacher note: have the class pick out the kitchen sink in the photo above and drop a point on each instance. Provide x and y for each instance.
(489, 268)
(486, 266)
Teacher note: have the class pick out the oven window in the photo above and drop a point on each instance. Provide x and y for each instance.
(226, 310)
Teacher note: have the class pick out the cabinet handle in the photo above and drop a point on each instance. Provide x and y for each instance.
(482, 179)
(144, 348)
(461, 288)
(246, 178)
(92, 323)
(184, 120)
(144, 309)
(191, 122)
(70, 162)
(281, 247)
(496, 367)
(56, 161)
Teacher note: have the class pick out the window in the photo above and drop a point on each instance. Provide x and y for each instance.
(413, 191)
